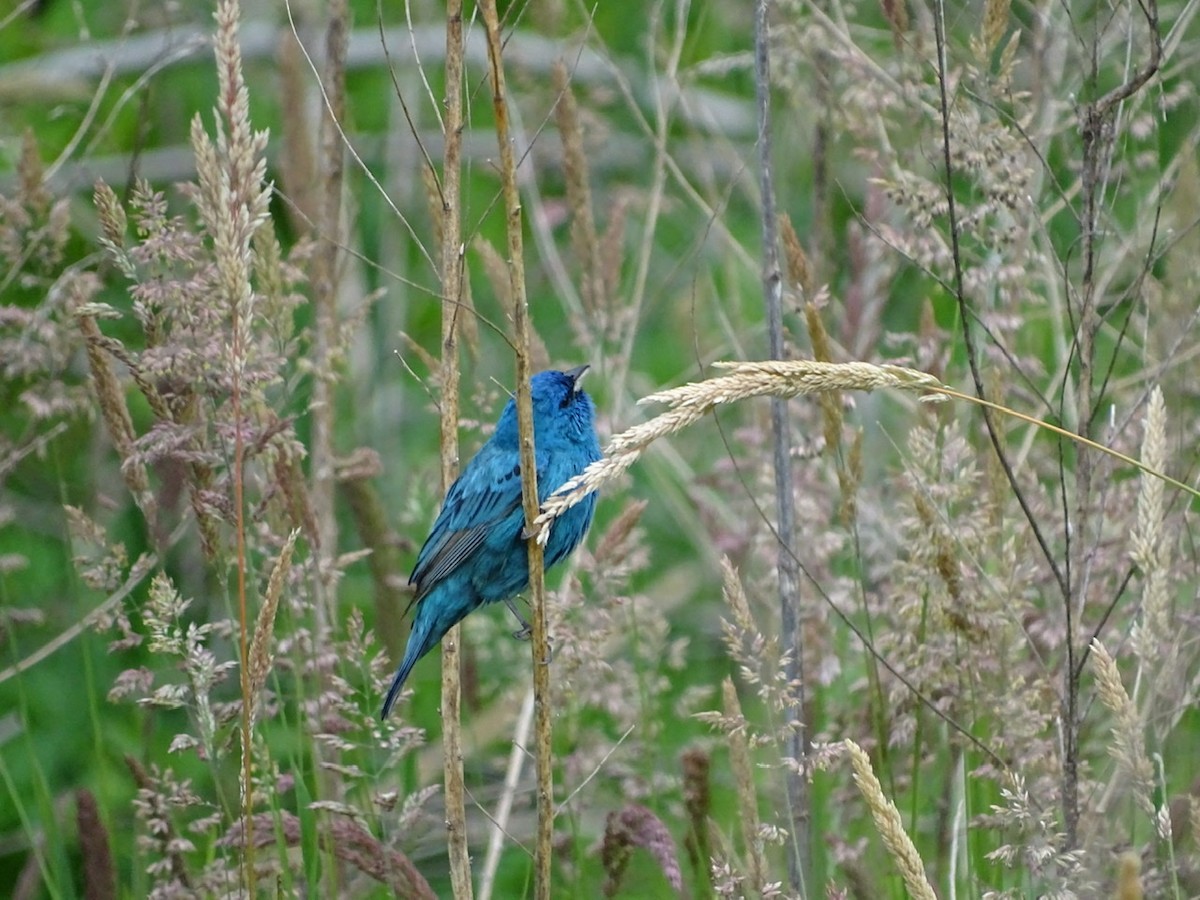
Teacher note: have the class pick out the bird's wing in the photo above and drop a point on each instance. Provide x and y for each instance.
(487, 492)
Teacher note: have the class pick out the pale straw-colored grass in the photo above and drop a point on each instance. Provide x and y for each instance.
(889, 825)
(1129, 877)
(743, 779)
(1151, 552)
(1128, 749)
(261, 658)
(691, 402)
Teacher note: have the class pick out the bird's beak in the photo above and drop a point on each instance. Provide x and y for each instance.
(575, 374)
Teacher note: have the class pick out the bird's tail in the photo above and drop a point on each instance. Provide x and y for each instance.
(421, 640)
(430, 624)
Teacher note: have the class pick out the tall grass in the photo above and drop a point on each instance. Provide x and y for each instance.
(225, 348)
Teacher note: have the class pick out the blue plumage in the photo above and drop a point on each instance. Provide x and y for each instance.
(475, 554)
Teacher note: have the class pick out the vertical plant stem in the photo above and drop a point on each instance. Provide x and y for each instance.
(452, 289)
(529, 495)
(1098, 132)
(741, 764)
(821, 236)
(1077, 532)
(512, 780)
(654, 201)
(325, 289)
(1063, 578)
(799, 813)
(231, 165)
(326, 270)
(237, 349)
(965, 314)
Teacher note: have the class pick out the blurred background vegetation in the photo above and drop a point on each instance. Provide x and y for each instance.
(974, 595)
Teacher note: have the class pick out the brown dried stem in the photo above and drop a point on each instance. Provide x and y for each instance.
(452, 294)
(326, 275)
(529, 494)
(324, 290)
(1096, 136)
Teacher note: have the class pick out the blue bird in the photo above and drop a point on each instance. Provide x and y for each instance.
(475, 553)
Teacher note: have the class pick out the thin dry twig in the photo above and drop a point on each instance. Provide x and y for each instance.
(325, 277)
(521, 342)
(452, 291)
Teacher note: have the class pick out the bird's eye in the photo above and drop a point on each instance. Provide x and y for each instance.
(566, 400)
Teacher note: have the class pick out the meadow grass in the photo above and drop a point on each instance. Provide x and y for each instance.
(250, 323)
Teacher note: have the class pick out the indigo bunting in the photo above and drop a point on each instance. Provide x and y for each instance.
(476, 552)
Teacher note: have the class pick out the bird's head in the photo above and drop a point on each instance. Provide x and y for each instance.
(562, 410)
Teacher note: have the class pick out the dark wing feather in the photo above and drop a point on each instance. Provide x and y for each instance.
(487, 492)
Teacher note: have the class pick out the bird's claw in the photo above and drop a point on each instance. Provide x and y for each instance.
(526, 632)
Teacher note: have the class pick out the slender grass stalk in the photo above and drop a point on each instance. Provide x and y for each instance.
(144, 565)
(799, 812)
(324, 291)
(452, 292)
(326, 276)
(239, 452)
(741, 763)
(1071, 436)
(662, 165)
(232, 167)
(1097, 137)
(37, 859)
(529, 491)
(512, 779)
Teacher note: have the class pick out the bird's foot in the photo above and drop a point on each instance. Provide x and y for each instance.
(526, 631)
